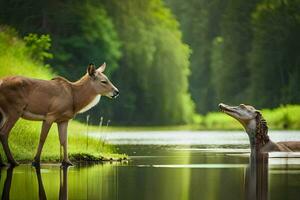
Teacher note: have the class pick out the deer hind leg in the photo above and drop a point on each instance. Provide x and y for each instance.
(44, 132)
(63, 183)
(4, 133)
(63, 138)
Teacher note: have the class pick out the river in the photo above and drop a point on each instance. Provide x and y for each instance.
(167, 165)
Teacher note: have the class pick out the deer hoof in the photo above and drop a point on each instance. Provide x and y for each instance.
(66, 163)
(13, 163)
(36, 163)
(3, 164)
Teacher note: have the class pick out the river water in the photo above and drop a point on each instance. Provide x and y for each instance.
(166, 165)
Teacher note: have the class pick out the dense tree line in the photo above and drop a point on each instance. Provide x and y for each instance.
(242, 51)
(238, 51)
(139, 40)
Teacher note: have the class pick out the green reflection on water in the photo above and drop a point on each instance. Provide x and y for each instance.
(171, 175)
(53, 182)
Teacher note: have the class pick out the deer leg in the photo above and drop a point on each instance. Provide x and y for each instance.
(44, 132)
(4, 133)
(42, 193)
(63, 183)
(63, 138)
(7, 183)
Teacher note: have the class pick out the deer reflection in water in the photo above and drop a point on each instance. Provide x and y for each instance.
(63, 190)
(63, 182)
(7, 183)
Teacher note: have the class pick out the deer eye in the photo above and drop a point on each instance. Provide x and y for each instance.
(104, 82)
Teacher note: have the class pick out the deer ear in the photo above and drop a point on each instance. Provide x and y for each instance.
(91, 69)
(102, 67)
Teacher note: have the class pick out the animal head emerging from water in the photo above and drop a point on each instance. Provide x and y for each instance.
(251, 119)
(100, 82)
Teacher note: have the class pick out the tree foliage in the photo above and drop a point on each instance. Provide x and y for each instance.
(275, 58)
(163, 60)
(243, 51)
(38, 46)
(200, 23)
(154, 64)
(232, 82)
(139, 40)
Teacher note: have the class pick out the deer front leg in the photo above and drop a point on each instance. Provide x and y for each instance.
(4, 133)
(42, 193)
(63, 138)
(44, 132)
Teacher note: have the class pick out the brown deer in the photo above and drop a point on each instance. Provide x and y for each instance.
(257, 129)
(57, 100)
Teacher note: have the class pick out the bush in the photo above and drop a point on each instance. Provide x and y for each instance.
(38, 46)
(15, 57)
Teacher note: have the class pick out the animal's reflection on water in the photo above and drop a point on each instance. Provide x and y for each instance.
(7, 183)
(256, 180)
(63, 189)
(42, 193)
(198, 177)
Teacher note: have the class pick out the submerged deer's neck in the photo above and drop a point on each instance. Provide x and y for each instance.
(83, 93)
(251, 134)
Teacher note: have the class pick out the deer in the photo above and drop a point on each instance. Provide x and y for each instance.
(51, 101)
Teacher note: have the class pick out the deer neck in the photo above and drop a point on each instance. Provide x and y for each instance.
(83, 94)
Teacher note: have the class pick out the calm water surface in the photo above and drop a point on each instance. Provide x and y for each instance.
(166, 165)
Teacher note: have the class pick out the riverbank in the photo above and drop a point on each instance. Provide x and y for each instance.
(282, 118)
(24, 140)
(285, 117)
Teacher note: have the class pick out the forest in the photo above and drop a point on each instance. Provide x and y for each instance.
(171, 60)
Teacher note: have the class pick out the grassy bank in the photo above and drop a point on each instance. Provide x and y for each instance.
(25, 136)
(284, 117)
(15, 59)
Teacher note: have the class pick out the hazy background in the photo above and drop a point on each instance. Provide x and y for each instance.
(171, 60)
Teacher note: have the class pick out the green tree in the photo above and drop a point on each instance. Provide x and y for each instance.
(38, 46)
(81, 33)
(274, 59)
(154, 67)
(217, 67)
(200, 24)
(233, 74)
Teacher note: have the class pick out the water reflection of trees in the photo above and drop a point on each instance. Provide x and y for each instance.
(107, 182)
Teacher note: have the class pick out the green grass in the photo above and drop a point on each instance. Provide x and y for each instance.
(25, 135)
(284, 117)
(15, 60)
(24, 139)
